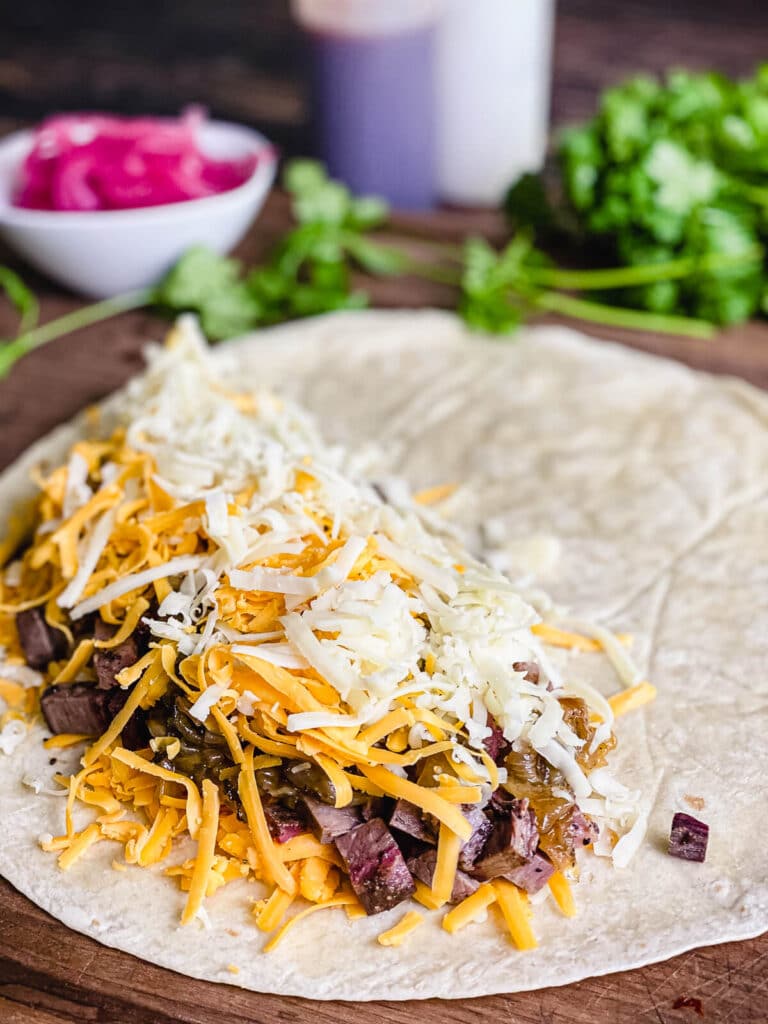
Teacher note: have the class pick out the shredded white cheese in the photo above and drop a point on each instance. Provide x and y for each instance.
(12, 735)
(430, 621)
(90, 553)
(207, 700)
(175, 567)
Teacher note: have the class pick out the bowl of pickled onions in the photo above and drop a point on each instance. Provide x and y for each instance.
(106, 204)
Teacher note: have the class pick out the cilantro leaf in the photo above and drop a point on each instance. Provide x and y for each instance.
(488, 302)
(302, 176)
(209, 284)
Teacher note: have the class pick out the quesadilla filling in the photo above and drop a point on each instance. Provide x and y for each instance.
(279, 676)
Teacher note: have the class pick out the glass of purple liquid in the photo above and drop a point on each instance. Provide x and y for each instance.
(373, 94)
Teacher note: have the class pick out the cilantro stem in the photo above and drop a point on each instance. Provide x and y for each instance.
(616, 316)
(620, 277)
(754, 193)
(78, 318)
(628, 277)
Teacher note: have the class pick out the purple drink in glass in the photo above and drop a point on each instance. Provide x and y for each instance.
(373, 103)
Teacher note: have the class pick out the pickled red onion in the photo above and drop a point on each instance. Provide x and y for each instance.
(101, 162)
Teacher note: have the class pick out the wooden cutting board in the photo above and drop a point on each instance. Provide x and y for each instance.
(50, 975)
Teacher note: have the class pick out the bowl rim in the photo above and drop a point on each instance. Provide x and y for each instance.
(260, 179)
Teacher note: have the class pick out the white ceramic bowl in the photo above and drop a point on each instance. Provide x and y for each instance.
(105, 252)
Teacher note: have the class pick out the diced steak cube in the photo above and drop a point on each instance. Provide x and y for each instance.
(512, 843)
(532, 876)
(481, 830)
(40, 642)
(283, 822)
(406, 817)
(112, 660)
(328, 823)
(77, 708)
(377, 870)
(423, 868)
(84, 708)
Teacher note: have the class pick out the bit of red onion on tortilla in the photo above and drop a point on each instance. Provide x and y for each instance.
(688, 838)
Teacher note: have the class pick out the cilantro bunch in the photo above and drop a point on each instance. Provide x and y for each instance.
(666, 171)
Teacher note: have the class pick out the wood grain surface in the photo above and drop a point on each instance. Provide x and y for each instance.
(50, 975)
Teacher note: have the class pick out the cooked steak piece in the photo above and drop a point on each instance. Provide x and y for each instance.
(135, 734)
(481, 830)
(283, 822)
(377, 870)
(373, 807)
(532, 876)
(406, 817)
(512, 843)
(40, 642)
(111, 661)
(84, 708)
(328, 823)
(501, 802)
(76, 707)
(423, 868)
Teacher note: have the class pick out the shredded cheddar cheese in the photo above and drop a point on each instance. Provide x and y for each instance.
(355, 911)
(563, 896)
(249, 794)
(336, 901)
(270, 914)
(78, 846)
(193, 804)
(633, 698)
(127, 627)
(426, 799)
(515, 908)
(397, 935)
(63, 740)
(303, 621)
(471, 909)
(433, 495)
(81, 656)
(206, 847)
(572, 641)
(448, 847)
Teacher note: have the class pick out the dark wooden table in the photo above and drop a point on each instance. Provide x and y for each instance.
(49, 975)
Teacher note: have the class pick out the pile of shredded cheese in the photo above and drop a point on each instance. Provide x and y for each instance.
(304, 618)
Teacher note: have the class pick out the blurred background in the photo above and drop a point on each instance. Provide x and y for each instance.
(439, 106)
(246, 59)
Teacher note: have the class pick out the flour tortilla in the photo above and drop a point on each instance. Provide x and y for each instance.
(655, 479)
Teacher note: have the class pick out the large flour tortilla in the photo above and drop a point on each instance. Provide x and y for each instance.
(656, 481)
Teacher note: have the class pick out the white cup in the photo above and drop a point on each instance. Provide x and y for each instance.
(493, 71)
